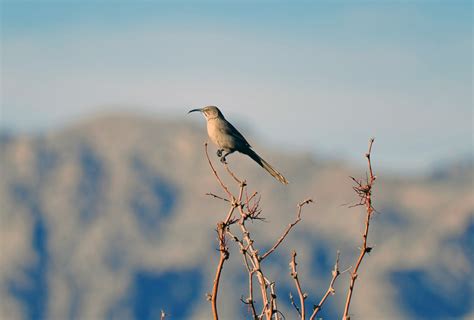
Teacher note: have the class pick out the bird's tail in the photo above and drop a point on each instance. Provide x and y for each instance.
(265, 165)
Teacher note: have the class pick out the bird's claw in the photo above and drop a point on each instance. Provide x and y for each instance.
(219, 153)
(223, 160)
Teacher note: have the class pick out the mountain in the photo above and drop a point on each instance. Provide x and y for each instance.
(108, 219)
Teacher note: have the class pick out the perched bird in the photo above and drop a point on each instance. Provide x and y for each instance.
(228, 139)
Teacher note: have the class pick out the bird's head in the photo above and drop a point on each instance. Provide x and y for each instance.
(209, 112)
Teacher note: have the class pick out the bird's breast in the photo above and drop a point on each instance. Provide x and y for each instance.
(218, 135)
(213, 132)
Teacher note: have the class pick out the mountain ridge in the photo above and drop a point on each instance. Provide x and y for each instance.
(94, 213)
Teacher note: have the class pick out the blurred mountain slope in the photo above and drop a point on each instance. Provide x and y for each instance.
(108, 219)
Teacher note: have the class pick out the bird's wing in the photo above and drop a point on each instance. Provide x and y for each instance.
(231, 130)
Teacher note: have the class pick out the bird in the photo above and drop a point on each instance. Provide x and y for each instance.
(228, 139)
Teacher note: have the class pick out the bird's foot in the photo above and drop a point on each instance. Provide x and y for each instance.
(223, 160)
(219, 153)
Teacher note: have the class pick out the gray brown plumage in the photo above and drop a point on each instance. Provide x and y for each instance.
(229, 139)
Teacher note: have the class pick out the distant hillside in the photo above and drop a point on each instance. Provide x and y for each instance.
(106, 218)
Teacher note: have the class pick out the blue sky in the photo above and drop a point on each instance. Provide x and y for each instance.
(318, 76)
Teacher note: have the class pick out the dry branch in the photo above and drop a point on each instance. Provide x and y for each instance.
(224, 255)
(248, 209)
(294, 275)
(216, 196)
(217, 176)
(285, 233)
(242, 209)
(221, 232)
(276, 314)
(364, 191)
(250, 270)
(253, 252)
(335, 274)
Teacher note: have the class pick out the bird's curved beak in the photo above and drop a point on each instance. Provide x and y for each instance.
(200, 110)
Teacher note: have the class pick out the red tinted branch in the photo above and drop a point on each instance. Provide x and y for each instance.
(224, 255)
(221, 232)
(294, 275)
(285, 233)
(364, 191)
(224, 187)
(335, 274)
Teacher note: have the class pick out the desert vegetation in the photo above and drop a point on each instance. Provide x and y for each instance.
(261, 299)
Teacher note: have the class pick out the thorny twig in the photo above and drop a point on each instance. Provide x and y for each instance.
(231, 197)
(294, 275)
(335, 274)
(224, 255)
(285, 233)
(293, 303)
(251, 197)
(267, 305)
(250, 270)
(273, 299)
(231, 173)
(221, 228)
(364, 191)
(216, 196)
(249, 209)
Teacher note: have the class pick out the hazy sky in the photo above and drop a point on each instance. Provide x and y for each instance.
(322, 76)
